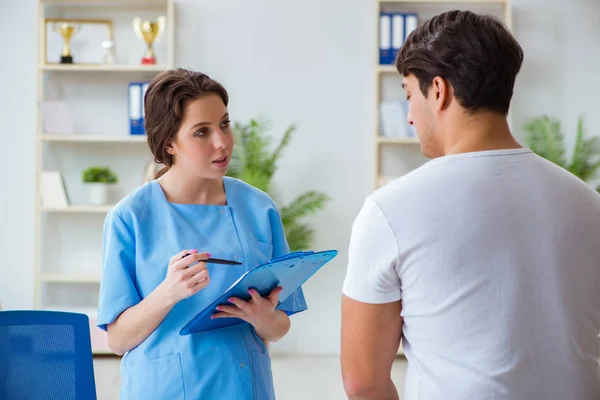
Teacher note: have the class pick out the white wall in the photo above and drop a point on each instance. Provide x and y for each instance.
(308, 62)
(560, 39)
(17, 113)
(305, 62)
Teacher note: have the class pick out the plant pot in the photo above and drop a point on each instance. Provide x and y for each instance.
(98, 193)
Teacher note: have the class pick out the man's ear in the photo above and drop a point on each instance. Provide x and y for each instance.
(442, 92)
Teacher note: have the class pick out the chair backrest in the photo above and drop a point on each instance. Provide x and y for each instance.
(45, 355)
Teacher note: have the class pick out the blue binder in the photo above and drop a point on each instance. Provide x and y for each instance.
(386, 55)
(136, 92)
(394, 28)
(289, 272)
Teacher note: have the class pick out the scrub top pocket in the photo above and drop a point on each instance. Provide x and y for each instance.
(261, 252)
(160, 378)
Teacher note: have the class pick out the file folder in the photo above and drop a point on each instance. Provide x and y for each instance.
(290, 272)
(398, 36)
(137, 90)
(394, 28)
(411, 21)
(386, 55)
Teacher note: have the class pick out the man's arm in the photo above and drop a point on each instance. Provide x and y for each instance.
(370, 339)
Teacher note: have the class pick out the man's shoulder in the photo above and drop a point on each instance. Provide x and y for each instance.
(410, 185)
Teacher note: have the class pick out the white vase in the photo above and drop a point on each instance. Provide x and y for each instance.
(98, 193)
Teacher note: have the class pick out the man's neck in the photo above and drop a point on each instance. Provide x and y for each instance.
(483, 131)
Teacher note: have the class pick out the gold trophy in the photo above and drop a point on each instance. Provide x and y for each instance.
(149, 32)
(67, 31)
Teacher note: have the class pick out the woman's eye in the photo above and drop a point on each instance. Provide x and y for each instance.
(201, 132)
(225, 124)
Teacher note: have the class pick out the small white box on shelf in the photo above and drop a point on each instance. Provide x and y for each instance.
(52, 190)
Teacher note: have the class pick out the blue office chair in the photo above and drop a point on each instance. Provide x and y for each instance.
(45, 355)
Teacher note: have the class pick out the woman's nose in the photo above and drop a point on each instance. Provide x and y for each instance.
(220, 140)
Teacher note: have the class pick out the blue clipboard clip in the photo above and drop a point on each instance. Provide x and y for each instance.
(289, 271)
(296, 254)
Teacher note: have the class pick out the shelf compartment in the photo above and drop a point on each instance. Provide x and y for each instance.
(64, 278)
(102, 68)
(79, 209)
(105, 3)
(398, 140)
(387, 69)
(497, 2)
(85, 138)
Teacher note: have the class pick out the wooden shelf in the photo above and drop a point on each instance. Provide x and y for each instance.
(398, 140)
(102, 68)
(96, 3)
(499, 2)
(387, 69)
(78, 138)
(79, 209)
(103, 352)
(135, 2)
(62, 278)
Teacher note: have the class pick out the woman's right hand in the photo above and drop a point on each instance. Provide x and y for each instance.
(183, 280)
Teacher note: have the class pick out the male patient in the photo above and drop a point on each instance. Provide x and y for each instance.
(486, 260)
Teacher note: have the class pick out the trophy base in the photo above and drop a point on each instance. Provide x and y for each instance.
(148, 61)
(66, 59)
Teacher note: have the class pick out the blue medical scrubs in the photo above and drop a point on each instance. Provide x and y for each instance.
(141, 234)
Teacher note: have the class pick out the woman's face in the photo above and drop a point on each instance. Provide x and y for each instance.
(204, 143)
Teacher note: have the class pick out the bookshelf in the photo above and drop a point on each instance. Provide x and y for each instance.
(68, 237)
(395, 155)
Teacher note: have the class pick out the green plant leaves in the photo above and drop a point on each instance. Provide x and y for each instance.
(303, 205)
(253, 162)
(99, 175)
(544, 137)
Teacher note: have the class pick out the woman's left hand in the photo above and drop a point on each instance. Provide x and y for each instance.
(258, 311)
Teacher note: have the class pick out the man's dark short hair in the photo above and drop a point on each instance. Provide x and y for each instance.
(475, 53)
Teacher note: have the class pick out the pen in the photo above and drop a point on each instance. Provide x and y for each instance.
(219, 261)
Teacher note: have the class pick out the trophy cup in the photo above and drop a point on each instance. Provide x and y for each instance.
(109, 51)
(149, 32)
(67, 31)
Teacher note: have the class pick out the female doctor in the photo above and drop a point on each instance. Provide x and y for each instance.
(149, 290)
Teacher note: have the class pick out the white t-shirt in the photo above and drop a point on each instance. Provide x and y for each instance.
(496, 257)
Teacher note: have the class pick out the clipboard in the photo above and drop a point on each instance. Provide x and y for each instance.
(289, 272)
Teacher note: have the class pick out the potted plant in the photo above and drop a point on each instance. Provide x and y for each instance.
(253, 162)
(97, 180)
(544, 137)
